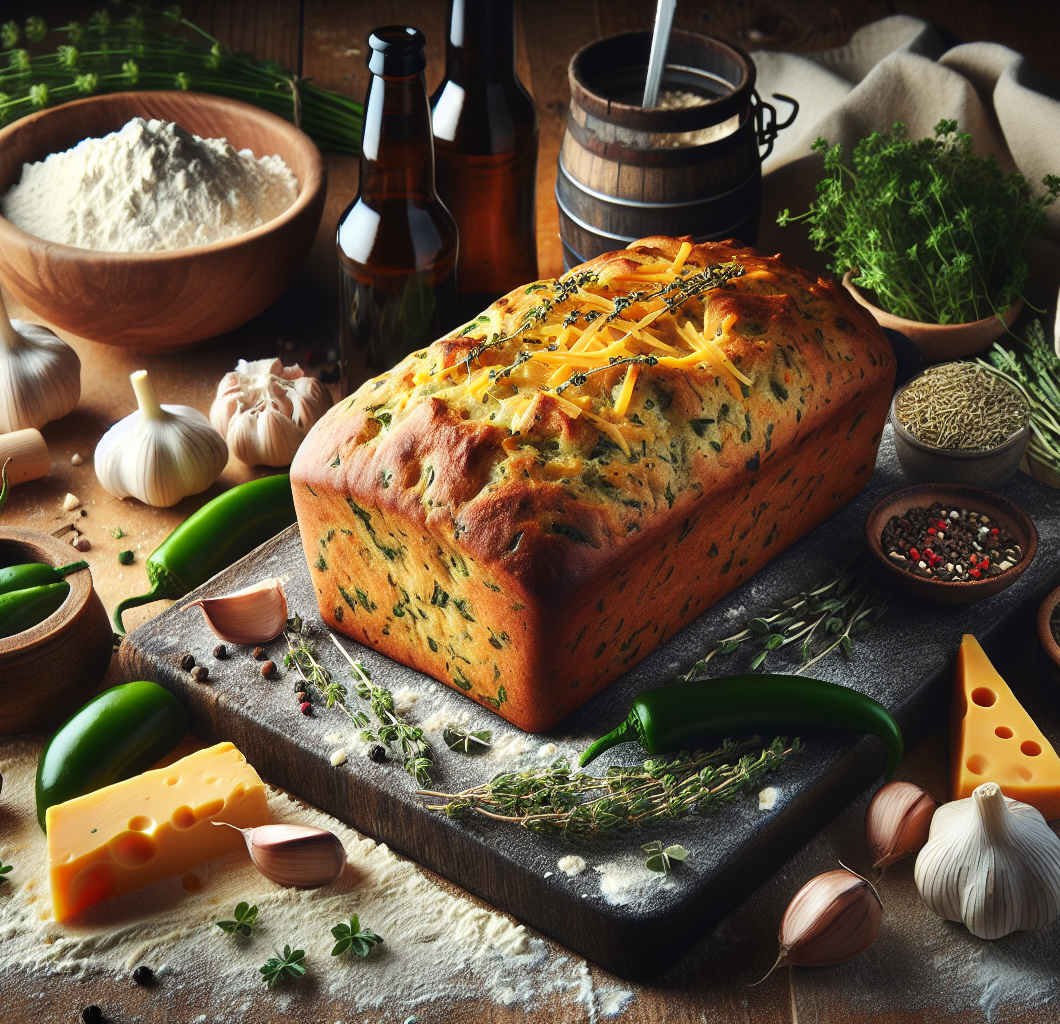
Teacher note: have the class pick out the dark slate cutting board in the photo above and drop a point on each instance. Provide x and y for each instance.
(621, 918)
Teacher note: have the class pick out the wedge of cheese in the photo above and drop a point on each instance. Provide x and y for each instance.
(993, 739)
(154, 825)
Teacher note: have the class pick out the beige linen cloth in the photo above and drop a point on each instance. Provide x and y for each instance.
(898, 69)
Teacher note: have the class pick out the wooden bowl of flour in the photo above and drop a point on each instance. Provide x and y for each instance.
(159, 301)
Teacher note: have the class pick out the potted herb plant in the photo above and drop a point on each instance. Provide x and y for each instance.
(935, 231)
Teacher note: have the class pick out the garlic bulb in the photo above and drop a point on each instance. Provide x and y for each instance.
(897, 822)
(832, 918)
(160, 453)
(264, 410)
(991, 862)
(253, 615)
(40, 375)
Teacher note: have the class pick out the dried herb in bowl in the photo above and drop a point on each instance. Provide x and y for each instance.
(961, 407)
(935, 230)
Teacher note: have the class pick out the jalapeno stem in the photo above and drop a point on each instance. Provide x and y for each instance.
(156, 593)
(627, 731)
(65, 570)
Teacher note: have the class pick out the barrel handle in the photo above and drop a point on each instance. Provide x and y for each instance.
(767, 125)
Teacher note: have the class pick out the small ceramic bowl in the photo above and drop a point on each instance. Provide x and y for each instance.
(997, 507)
(1049, 647)
(924, 463)
(940, 342)
(49, 671)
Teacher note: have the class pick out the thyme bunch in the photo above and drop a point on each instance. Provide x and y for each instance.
(416, 751)
(935, 230)
(820, 621)
(583, 808)
(1033, 367)
(145, 47)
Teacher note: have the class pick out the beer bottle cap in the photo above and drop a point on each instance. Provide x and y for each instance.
(397, 51)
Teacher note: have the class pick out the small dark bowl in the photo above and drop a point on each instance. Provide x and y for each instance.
(998, 508)
(1050, 648)
(924, 463)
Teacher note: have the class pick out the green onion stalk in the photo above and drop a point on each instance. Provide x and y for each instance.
(1033, 367)
(152, 49)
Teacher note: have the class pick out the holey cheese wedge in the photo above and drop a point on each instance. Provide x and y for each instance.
(149, 827)
(993, 739)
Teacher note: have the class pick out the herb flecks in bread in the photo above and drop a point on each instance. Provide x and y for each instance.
(528, 506)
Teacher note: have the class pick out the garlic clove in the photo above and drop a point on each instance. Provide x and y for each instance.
(897, 822)
(40, 375)
(832, 918)
(160, 453)
(265, 409)
(253, 615)
(992, 863)
(296, 855)
(28, 453)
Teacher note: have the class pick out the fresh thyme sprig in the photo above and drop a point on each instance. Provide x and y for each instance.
(821, 620)
(350, 936)
(290, 964)
(416, 751)
(246, 917)
(583, 808)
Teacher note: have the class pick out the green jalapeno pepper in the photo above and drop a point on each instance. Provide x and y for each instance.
(22, 609)
(687, 716)
(35, 574)
(220, 533)
(119, 734)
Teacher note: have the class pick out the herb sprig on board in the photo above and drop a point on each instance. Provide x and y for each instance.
(352, 937)
(290, 964)
(935, 230)
(821, 621)
(390, 729)
(244, 918)
(4, 869)
(146, 48)
(583, 808)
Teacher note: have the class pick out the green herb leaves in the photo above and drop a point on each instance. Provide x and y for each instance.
(246, 917)
(4, 869)
(289, 965)
(936, 231)
(467, 742)
(659, 859)
(350, 937)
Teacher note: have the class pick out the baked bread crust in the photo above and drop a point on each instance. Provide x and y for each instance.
(526, 537)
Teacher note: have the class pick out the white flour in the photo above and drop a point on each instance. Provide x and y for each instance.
(150, 187)
(439, 945)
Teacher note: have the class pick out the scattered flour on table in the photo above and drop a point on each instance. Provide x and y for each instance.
(571, 865)
(547, 750)
(623, 881)
(439, 946)
(405, 699)
(767, 799)
(149, 187)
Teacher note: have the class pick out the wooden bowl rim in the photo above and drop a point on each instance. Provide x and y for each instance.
(57, 553)
(968, 497)
(940, 331)
(308, 191)
(1045, 634)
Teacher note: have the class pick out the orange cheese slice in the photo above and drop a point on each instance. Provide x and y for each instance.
(149, 827)
(993, 739)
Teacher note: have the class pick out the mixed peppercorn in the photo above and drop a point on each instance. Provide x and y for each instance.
(951, 545)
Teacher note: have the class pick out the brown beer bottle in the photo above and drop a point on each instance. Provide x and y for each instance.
(397, 243)
(485, 140)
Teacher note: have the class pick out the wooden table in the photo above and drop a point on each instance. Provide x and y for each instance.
(325, 40)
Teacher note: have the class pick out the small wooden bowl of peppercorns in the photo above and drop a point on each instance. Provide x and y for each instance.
(950, 544)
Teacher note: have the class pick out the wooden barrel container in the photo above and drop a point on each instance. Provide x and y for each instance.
(626, 172)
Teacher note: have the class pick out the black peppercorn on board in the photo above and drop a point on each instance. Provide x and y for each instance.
(615, 912)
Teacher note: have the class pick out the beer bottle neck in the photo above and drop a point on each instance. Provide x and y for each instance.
(480, 45)
(397, 152)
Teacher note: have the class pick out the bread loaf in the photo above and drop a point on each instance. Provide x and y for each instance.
(529, 506)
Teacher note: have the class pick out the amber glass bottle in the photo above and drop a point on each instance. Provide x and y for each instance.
(485, 140)
(397, 243)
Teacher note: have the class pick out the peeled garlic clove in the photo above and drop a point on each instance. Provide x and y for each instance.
(40, 375)
(253, 615)
(992, 863)
(265, 409)
(832, 918)
(160, 453)
(296, 855)
(897, 822)
(28, 454)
